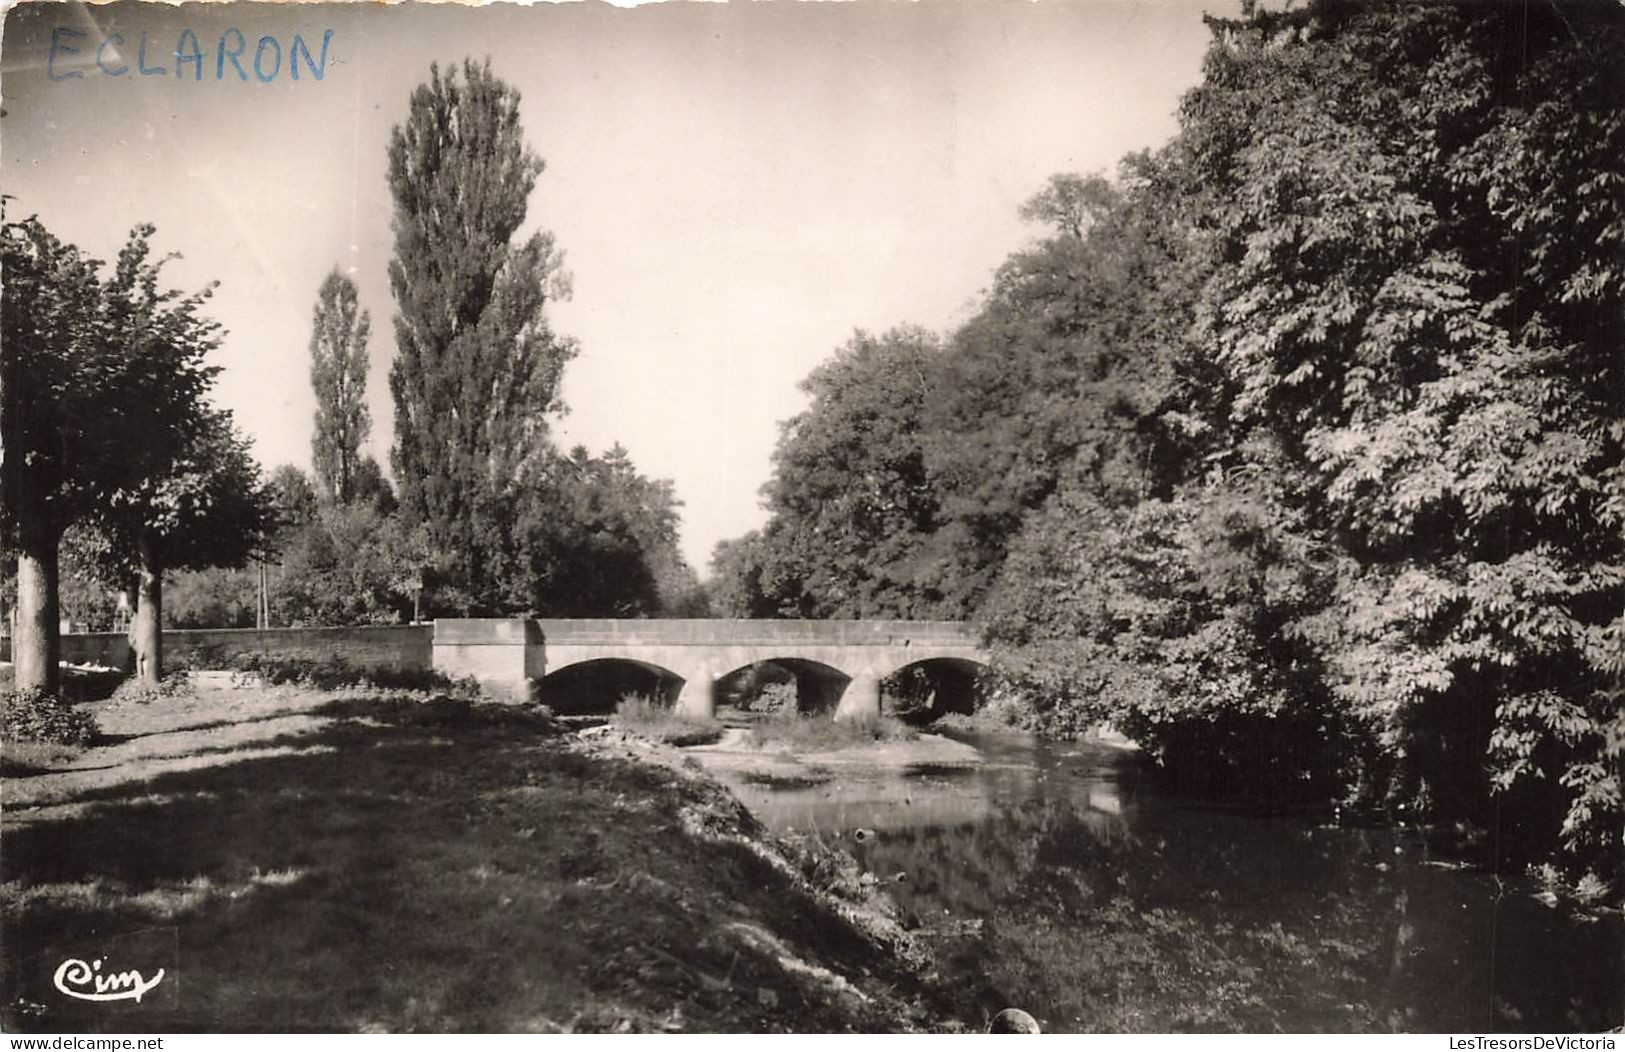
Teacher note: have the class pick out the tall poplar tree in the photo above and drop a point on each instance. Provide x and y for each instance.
(477, 368)
(338, 372)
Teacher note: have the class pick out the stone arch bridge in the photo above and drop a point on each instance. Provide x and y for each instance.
(847, 659)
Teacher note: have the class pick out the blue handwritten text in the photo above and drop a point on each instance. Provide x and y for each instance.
(264, 62)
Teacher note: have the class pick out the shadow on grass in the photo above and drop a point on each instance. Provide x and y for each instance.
(106, 738)
(424, 866)
(12, 768)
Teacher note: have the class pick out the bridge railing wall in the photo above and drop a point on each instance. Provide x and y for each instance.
(704, 631)
(390, 648)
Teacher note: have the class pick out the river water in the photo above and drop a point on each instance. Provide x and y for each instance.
(1053, 879)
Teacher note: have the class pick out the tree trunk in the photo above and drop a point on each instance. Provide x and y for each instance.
(149, 605)
(262, 606)
(37, 645)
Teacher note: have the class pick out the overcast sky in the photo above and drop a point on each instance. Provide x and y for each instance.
(737, 187)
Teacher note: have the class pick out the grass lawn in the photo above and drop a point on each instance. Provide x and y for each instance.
(300, 860)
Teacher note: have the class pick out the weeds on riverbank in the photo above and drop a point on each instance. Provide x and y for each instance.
(820, 733)
(999, 714)
(642, 715)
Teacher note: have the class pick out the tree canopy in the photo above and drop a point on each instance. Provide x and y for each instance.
(850, 496)
(1430, 357)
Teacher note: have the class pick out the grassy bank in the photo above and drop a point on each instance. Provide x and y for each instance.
(303, 860)
(660, 723)
(795, 732)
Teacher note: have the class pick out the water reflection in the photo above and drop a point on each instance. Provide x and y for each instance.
(1053, 879)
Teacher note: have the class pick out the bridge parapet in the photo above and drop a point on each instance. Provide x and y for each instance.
(716, 631)
(504, 654)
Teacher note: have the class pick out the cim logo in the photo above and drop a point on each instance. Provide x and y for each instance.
(87, 982)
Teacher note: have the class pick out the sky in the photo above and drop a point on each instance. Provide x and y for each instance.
(737, 187)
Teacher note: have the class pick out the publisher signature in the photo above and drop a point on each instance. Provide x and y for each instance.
(85, 981)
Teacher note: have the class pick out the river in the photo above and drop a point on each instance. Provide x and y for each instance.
(1053, 879)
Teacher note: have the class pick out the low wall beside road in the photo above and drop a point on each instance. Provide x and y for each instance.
(392, 648)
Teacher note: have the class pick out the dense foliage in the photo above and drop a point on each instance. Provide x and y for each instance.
(591, 537)
(1418, 299)
(1298, 452)
(851, 497)
(595, 538)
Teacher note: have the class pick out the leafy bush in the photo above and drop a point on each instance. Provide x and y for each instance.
(1002, 712)
(34, 716)
(831, 869)
(345, 565)
(642, 715)
(1591, 889)
(1183, 624)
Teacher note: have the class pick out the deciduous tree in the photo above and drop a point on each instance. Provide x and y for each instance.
(102, 382)
(208, 509)
(735, 582)
(851, 498)
(595, 538)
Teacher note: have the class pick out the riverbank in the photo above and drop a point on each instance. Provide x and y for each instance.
(361, 861)
(737, 752)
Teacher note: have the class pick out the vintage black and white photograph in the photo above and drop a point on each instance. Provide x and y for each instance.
(947, 517)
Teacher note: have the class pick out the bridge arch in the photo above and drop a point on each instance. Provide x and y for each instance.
(929, 687)
(818, 685)
(597, 684)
